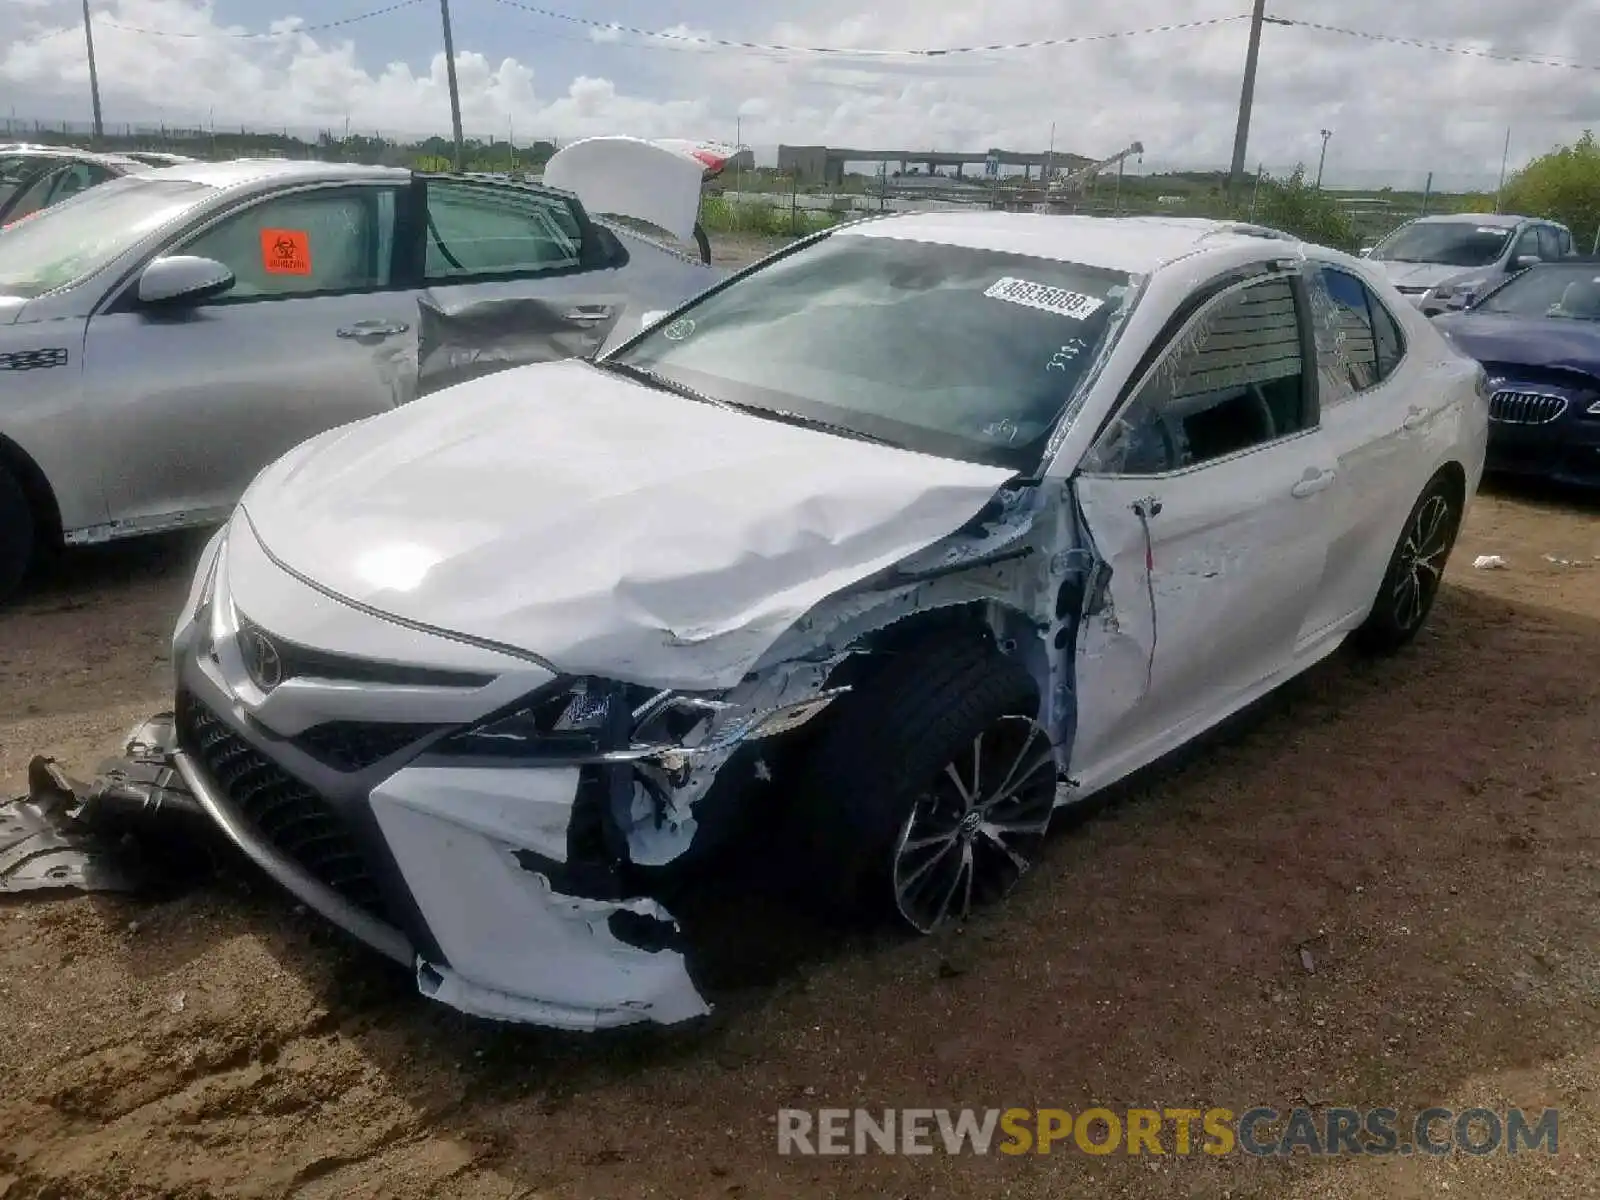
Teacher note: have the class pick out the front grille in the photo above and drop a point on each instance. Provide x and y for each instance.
(356, 745)
(284, 812)
(1525, 408)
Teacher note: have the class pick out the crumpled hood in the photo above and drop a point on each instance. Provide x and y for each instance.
(607, 527)
(1427, 275)
(1552, 342)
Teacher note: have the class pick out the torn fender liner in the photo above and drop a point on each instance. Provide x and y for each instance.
(101, 836)
(464, 341)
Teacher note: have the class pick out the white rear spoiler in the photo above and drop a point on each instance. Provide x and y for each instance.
(656, 180)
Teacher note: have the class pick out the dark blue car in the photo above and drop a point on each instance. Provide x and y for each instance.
(1538, 338)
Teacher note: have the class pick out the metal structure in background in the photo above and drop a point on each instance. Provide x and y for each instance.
(1241, 133)
(94, 76)
(455, 90)
(1500, 188)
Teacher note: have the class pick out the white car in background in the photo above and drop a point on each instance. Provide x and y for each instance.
(1444, 262)
(898, 540)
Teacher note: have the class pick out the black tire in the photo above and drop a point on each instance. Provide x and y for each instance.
(1410, 585)
(882, 766)
(17, 535)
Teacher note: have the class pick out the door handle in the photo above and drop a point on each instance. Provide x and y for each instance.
(1313, 482)
(366, 329)
(587, 316)
(1416, 418)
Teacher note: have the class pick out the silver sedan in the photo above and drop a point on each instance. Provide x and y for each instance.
(166, 335)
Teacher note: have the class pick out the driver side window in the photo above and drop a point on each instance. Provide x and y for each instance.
(1232, 380)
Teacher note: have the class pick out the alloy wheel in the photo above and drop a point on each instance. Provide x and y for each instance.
(978, 829)
(1421, 562)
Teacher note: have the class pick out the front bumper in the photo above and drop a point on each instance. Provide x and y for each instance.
(454, 871)
(1565, 452)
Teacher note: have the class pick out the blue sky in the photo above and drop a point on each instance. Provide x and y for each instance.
(1397, 112)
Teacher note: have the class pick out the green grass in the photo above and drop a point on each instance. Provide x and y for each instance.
(720, 215)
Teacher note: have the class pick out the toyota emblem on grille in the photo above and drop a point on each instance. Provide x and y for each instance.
(261, 659)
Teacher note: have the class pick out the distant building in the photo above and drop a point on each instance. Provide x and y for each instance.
(825, 165)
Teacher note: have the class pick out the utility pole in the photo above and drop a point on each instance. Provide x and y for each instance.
(1247, 95)
(1326, 134)
(94, 75)
(450, 71)
(1505, 157)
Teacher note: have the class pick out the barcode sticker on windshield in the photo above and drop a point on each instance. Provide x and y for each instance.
(1041, 295)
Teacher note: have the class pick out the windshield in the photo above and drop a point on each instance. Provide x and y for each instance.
(1568, 290)
(946, 350)
(1447, 243)
(15, 170)
(75, 238)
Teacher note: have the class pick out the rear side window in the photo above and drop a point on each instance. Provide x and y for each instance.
(1359, 343)
(480, 229)
(1549, 244)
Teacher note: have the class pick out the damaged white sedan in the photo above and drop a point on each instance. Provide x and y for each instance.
(918, 530)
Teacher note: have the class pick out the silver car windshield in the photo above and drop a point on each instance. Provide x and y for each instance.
(946, 350)
(61, 245)
(1444, 243)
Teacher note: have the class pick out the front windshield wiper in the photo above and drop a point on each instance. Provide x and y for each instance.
(652, 380)
(661, 383)
(805, 422)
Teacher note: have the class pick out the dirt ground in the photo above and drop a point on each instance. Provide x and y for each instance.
(1427, 829)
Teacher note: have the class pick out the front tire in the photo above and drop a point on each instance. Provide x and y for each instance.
(17, 535)
(1416, 568)
(931, 792)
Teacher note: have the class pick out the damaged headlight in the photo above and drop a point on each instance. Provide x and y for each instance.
(597, 721)
(568, 720)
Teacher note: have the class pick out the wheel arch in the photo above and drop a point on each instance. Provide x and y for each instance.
(36, 487)
(1455, 475)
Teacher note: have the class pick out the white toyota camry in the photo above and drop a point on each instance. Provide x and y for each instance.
(902, 538)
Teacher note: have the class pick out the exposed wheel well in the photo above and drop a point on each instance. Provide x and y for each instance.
(41, 496)
(1456, 477)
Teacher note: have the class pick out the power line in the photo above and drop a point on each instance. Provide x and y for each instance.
(614, 27)
(258, 35)
(1439, 47)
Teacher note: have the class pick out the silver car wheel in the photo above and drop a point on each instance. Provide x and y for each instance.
(979, 828)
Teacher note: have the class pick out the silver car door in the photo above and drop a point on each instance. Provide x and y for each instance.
(316, 331)
(486, 242)
(1206, 502)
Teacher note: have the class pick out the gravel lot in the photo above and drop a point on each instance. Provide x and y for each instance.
(1424, 829)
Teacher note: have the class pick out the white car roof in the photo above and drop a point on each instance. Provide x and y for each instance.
(241, 172)
(1136, 245)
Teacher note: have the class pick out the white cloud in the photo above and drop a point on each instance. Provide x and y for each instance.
(1393, 108)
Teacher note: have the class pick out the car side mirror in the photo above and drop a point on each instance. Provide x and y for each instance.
(1524, 261)
(1366, 251)
(183, 279)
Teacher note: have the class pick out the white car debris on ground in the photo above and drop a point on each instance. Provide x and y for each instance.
(932, 523)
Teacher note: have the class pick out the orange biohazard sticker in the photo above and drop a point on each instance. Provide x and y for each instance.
(286, 251)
